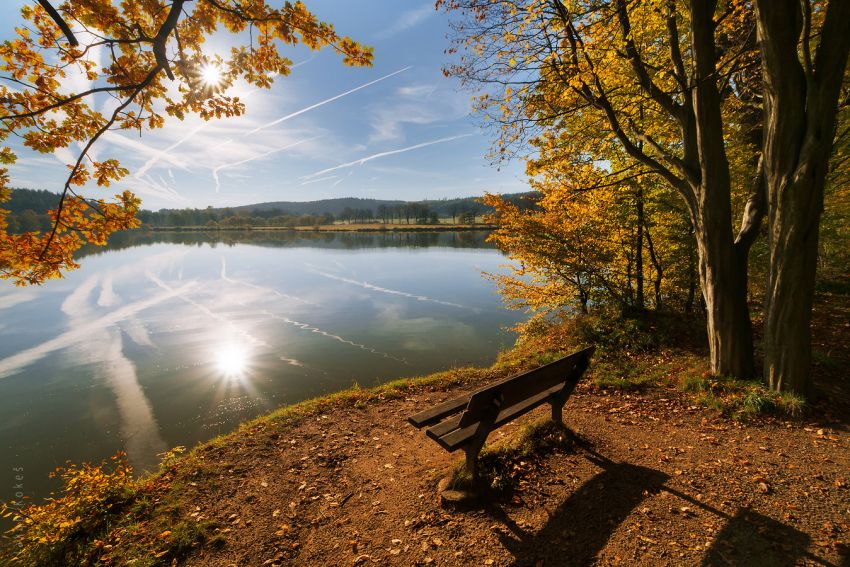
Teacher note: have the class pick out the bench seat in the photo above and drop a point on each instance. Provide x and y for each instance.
(465, 422)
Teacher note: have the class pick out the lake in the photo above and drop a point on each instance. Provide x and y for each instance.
(166, 339)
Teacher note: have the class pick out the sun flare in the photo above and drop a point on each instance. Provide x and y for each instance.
(232, 361)
(211, 75)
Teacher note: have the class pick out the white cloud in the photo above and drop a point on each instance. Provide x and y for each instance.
(407, 21)
(416, 104)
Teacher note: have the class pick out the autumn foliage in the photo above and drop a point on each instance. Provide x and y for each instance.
(153, 71)
(646, 129)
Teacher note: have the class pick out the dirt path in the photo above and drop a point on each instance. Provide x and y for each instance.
(662, 483)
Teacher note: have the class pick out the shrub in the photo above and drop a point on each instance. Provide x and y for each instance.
(59, 531)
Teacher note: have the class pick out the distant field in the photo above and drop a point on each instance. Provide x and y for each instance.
(370, 227)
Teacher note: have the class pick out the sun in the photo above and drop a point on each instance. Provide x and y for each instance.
(232, 361)
(211, 75)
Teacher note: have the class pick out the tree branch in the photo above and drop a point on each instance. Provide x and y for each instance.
(60, 21)
(139, 88)
(654, 91)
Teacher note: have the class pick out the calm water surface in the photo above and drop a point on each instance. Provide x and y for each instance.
(169, 339)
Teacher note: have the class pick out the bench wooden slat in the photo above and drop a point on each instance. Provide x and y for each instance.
(439, 411)
(449, 425)
(466, 421)
(522, 386)
(457, 438)
(453, 406)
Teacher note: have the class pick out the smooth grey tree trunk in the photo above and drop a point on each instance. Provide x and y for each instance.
(800, 107)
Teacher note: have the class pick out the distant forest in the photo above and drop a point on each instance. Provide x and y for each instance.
(28, 208)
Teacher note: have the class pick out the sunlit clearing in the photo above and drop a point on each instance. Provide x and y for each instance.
(211, 75)
(232, 361)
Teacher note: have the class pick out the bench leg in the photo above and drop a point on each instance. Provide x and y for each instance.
(558, 414)
(472, 450)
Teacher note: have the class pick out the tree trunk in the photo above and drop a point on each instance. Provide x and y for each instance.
(659, 272)
(800, 108)
(692, 283)
(791, 282)
(641, 222)
(722, 270)
(723, 279)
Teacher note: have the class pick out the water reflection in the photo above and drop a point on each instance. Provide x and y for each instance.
(167, 339)
(232, 360)
(475, 239)
(102, 347)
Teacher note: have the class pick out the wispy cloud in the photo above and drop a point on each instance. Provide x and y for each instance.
(407, 20)
(419, 104)
(324, 102)
(379, 155)
(218, 168)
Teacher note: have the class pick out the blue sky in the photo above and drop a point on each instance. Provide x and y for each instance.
(398, 130)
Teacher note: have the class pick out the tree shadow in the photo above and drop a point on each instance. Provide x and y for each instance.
(582, 524)
(753, 540)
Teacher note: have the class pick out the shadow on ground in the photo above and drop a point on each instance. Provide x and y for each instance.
(753, 540)
(582, 525)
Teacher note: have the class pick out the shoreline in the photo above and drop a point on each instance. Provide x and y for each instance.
(327, 228)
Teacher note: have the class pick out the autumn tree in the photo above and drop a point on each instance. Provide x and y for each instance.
(157, 68)
(588, 242)
(655, 80)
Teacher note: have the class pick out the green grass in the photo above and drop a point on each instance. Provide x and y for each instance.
(743, 399)
(498, 462)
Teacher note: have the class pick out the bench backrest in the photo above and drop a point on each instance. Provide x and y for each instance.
(487, 401)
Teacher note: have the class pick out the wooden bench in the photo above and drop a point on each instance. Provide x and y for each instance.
(466, 421)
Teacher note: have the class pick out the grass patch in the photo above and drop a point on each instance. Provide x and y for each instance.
(742, 399)
(502, 464)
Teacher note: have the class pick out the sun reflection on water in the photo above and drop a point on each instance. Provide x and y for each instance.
(232, 360)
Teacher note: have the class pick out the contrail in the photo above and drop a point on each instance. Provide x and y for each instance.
(326, 101)
(228, 279)
(373, 287)
(164, 153)
(318, 331)
(328, 178)
(361, 161)
(260, 156)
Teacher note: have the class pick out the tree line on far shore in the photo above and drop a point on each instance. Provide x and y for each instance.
(28, 211)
